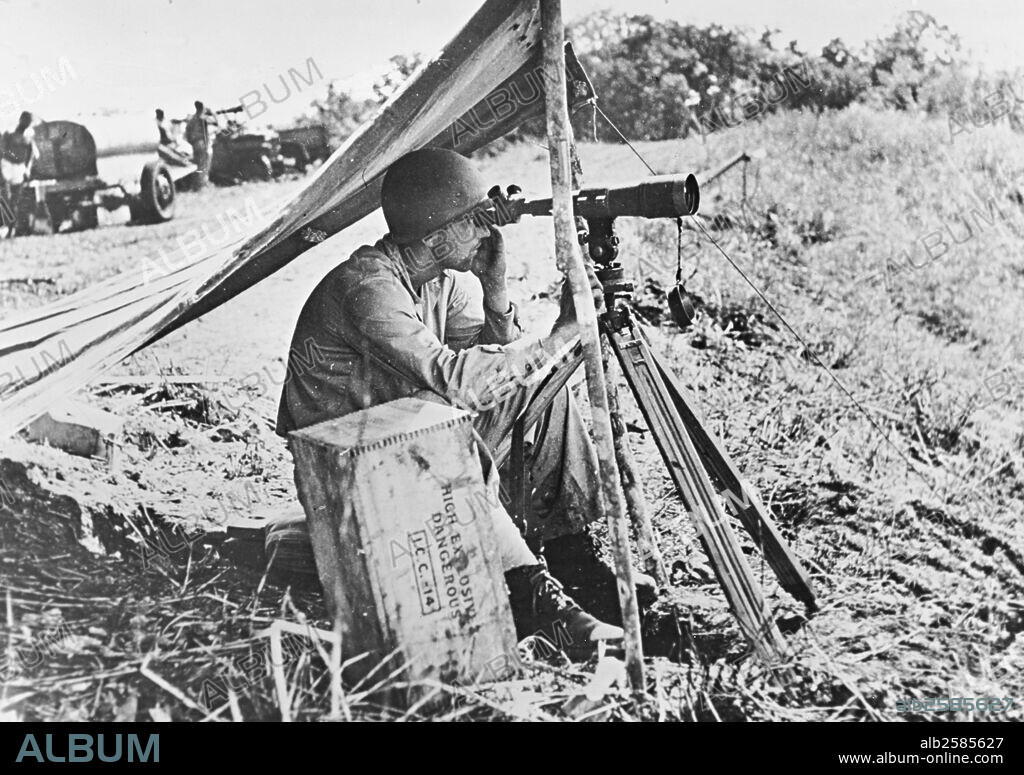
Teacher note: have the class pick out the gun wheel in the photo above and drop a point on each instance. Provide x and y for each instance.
(156, 199)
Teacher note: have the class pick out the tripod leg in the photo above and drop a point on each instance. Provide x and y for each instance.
(557, 379)
(647, 541)
(749, 509)
(698, 494)
(636, 503)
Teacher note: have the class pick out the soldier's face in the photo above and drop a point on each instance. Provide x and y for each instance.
(463, 243)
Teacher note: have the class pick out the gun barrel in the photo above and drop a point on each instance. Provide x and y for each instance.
(659, 196)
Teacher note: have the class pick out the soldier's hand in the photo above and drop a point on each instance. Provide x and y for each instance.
(489, 260)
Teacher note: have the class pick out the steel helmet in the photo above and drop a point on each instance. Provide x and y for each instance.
(427, 188)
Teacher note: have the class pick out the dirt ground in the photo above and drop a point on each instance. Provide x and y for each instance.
(918, 566)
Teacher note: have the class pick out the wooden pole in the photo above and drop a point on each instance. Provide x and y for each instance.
(570, 262)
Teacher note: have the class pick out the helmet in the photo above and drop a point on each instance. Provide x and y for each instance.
(427, 188)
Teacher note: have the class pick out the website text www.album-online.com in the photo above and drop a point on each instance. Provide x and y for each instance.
(941, 750)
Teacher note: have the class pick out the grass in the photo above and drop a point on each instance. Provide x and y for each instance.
(910, 521)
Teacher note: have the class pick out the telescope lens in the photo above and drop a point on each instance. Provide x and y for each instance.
(691, 195)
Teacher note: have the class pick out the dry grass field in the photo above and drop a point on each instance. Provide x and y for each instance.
(911, 522)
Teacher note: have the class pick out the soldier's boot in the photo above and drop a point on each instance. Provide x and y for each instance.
(575, 561)
(540, 606)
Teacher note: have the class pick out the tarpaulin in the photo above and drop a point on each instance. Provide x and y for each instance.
(487, 81)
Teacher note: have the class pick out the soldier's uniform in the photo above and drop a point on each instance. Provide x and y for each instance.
(18, 152)
(199, 133)
(378, 340)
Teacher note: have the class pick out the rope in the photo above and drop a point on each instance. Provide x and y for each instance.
(624, 138)
(679, 250)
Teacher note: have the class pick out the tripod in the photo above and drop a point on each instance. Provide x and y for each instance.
(695, 459)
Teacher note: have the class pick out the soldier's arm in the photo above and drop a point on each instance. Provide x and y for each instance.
(377, 316)
(33, 154)
(470, 325)
(501, 320)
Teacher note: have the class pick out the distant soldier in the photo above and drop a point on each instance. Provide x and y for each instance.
(199, 133)
(18, 153)
(161, 126)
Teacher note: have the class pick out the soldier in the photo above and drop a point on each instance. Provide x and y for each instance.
(18, 152)
(199, 133)
(392, 321)
(161, 126)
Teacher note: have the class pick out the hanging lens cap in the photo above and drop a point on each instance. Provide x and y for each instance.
(680, 306)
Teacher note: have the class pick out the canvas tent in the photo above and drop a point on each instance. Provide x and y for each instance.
(485, 82)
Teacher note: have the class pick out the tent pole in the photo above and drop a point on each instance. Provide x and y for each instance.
(570, 262)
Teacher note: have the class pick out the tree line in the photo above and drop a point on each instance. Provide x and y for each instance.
(660, 79)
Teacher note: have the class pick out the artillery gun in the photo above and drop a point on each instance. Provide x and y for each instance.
(66, 190)
(242, 153)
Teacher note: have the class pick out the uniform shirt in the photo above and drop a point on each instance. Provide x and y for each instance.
(17, 153)
(165, 136)
(365, 336)
(197, 128)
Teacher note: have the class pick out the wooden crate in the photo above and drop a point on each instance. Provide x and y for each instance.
(404, 549)
(78, 429)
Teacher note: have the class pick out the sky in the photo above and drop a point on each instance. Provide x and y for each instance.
(134, 55)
